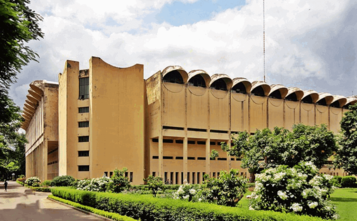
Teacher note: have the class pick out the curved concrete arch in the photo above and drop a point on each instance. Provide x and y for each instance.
(283, 90)
(27, 115)
(341, 100)
(37, 86)
(31, 100)
(351, 100)
(28, 110)
(204, 74)
(247, 84)
(29, 106)
(328, 97)
(265, 86)
(183, 73)
(314, 95)
(34, 95)
(299, 93)
(224, 77)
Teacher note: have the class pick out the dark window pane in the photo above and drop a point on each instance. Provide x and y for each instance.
(83, 110)
(83, 88)
(84, 153)
(83, 139)
(83, 168)
(83, 124)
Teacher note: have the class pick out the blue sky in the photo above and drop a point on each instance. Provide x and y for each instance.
(309, 44)
(181, 13)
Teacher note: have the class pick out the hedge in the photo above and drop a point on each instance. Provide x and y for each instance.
(146, 207)
(348, 181)
(109, 215)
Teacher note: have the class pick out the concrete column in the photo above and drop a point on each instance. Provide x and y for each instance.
(229, 163)
(208, 154)
(161, 154)
(185, 151)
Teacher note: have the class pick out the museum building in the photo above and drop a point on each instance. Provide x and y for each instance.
(102, 118)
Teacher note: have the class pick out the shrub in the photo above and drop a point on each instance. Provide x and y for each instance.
(120, 182)
(348, 181)
(227, 189)
(36, 184)
(21, 179)
(95, 184)
(30, 181)
(46, 183)
(110, 215)
(299, 190)
(336, 181)
(155, 184)
(62, 181)
(146, 207)
(189, 192)
(75, 183)
(21, 176)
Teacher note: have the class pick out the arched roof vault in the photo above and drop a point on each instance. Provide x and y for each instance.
(278, 87)
(171, 68)
(204, 74)
(224, 77)
(314, 95)
(244, 81)
(265, 86)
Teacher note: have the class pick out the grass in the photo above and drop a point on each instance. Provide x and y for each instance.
(345, 200)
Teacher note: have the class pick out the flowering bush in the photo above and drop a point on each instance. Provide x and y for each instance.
(155, 184)
(95, 184)
(62, 180)
(189, 192)
(300, 190)
(30, 181)
(120, 182)
(227, 189)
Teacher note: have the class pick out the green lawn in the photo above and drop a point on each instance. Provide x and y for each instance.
(345, 200)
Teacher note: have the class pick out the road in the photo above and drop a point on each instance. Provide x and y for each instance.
(23, 204)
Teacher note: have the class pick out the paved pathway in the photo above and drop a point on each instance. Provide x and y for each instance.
(22, 204)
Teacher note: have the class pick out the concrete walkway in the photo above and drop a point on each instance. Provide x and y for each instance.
(20, 203)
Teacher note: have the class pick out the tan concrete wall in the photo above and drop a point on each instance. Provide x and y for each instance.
(276, 113)
(239, 112)
(219, 110)
(292, 114)
(307, 114)
(258, 113)
(116, 119)
(173, 104)
(335, 119)
(197, 107)
(322, 115)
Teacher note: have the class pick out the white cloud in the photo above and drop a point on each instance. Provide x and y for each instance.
(304, 40)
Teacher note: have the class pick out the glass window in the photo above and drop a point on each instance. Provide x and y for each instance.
(84, 153)
(83, 168)
(83, 88)
(83, 139)
(83, 110)
(83, 124)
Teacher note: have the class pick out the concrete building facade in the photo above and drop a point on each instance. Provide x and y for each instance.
(166, 125)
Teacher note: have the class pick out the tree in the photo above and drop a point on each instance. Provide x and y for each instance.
(12, 144)
(346, 155)
(269, 149)
(18, 25)
(155, 184)
(120, 182)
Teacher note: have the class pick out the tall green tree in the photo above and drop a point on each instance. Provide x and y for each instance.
(18, 25)
(267, 149)
(346, 155)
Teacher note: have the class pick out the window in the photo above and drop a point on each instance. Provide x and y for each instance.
(177, 176)
(155, 157)
(198, 177)
(173, 77)
(83, 88)
(193, 178)
(258, 91)
(166, 180)
(181, 177)
(106, 174)
(171, 177)
(307, 99)
(212, 143)
(155, 140)
(191, 142)
(84, 153)
(167, 141)
(83, 168)
(191, 158)
(167, 158)
(188, 177)
(197, 81)
(153, 173)
(291, 97)
(131, 176)
(83, 139)
(110, 174)
(179, 141)
(219, 84)
(179, 158)
(214, 174)
(239, 88)
(126, 174)
(201, 142)
(83, 124)
(83, 110)
(201, 158)
(276, 94)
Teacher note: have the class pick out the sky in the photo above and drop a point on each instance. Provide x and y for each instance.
(309, 44)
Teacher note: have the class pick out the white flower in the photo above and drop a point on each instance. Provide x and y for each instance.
(185, 197)
(199, 200)
(282, 195)
(296, 207)
(313, 205)
(251, 208)
(328, 177)
(192, 191)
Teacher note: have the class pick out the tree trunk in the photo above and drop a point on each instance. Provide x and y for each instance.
(252, 178)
